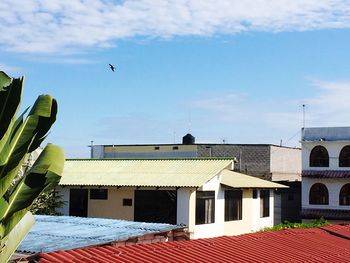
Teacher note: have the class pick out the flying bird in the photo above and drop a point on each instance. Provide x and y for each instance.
(112, 67)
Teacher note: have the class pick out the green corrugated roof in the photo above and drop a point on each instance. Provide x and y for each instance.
(238, 180)
(142, 172)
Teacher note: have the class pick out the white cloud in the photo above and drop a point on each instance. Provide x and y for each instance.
(12, 70)
(41, 26)
(274, 119)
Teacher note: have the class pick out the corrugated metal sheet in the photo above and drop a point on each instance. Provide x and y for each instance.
(151, 172)
(293, 245)
(340, 230)
(326, 174)
(51, 233)
(239, 180)
(330, 214)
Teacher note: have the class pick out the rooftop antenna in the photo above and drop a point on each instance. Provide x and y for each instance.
(303, 115)
(189, 122)
(92, 150)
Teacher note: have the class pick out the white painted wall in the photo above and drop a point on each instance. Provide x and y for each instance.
(216, 228)
(258, 222)
(333, 148)
(333, 185)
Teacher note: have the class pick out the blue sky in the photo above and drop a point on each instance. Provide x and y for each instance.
(222, 69)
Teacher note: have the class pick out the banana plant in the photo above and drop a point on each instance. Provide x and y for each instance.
(18, 137)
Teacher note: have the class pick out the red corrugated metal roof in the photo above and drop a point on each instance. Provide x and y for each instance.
(340, 230)
(292, 245)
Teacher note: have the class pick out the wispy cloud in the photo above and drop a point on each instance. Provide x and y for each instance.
(329, 106)
(66, 26)
(12, 70)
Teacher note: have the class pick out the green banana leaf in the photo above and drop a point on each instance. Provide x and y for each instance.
(26, 137)
(43, 176)
(10, 242)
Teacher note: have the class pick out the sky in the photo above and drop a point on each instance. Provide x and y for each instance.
(225, 71)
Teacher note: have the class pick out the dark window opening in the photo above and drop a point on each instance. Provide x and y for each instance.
(319, 157)
(318, 194)
(127, 202)
(175, 147)
(344, 195)
(255, 194)
(205, 207)
(156, 147)
(233, 205)
(344, 157)
(264, 203)
(155, 206)
(78, 202)
(99, 194)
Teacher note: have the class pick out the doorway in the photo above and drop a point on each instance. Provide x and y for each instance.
(78, 202)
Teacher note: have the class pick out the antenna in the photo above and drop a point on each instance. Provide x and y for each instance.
(92, 150)
(303, 115)
(189, 122)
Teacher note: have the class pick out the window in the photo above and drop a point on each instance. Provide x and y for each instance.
(344, 157)
(156, 147)
(318, 194)
(233, 205)
(205, 207)
(264, 203)
(319, 157)
(255, 194)
(175, 147)
(344, 195)
(127, 202)
(101, 194)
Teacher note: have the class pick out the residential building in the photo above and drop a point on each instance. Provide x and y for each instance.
(325, 244)
(267, 161)
(326, 173)
(205, 194)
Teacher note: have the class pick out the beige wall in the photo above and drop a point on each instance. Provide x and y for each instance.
(285, 164)
(113, 207)
(148, 148)
(238, 227)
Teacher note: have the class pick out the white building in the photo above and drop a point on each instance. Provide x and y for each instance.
(326, 173)
(205, 194)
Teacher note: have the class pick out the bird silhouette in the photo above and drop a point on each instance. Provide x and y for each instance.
(112, 67)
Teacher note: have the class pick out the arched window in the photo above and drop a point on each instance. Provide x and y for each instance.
(344, 157)
(319, 157)
(344, 195)
(318, 195)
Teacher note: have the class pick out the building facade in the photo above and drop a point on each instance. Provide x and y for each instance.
(326, 173)
(271, 162)
(203, 194)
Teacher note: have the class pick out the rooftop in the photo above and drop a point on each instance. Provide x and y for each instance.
(51, 233)
(143, 172)
(157, 173)
(328, 244)
(325, 134)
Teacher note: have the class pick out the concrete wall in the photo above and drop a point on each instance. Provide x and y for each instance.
(150, 151)
(251, 159)
(186, 210)
(333, 149)
(113, 206)
(285, 163)
(333, 185)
